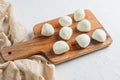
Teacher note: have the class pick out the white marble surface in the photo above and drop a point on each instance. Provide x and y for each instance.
(100, 65)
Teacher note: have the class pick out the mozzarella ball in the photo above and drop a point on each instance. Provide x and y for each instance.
(65, 21)
(83, 40)
(47, 30)
(99, 35)
(60, 47)
(65, 33)
(84, 26)
(79, 15)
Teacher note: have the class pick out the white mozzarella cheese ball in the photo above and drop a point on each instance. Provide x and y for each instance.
(65, 33)
(65, 21)
(60, 47)
(83, 40)
(79, 15)
(84, 26)
(99, 35)
(47, 30)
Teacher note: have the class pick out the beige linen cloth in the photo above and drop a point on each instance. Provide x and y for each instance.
(12, 32)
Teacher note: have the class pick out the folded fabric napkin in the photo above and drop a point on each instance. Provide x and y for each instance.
(12, 32)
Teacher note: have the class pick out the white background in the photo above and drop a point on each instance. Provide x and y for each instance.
(100, 65)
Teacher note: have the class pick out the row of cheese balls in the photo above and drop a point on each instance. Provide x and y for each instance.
(66, 21)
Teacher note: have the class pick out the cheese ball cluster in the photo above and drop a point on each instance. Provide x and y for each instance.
(65, 33)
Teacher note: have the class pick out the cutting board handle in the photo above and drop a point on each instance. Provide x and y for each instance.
(23, 50)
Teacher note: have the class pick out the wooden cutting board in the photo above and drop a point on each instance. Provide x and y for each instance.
(43, 45)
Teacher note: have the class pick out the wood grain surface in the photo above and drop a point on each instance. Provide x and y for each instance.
(43, 45)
